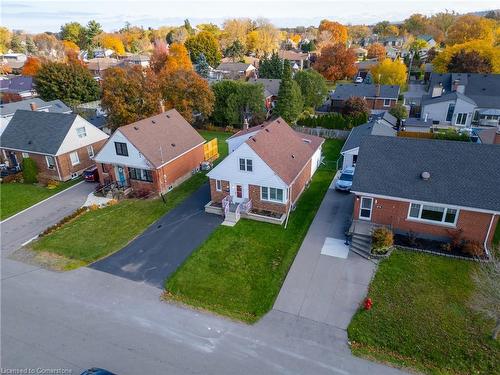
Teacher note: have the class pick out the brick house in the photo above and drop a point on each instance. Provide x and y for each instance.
(153, 155)
(267, 168)
(433, 188)
(62, 145)
(271, 90)
(379, 98)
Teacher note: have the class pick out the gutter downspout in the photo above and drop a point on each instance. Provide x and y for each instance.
(56, 158)
(290, 206)
(488, 254)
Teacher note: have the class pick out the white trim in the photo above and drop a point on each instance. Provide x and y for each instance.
(30, 152)
(178, 156)
(39, 203)
(77, 157)
(283, 201)
(91, 148)
(245, 163)
(442, 222)
(47, 161)
(425, 202)
(361, 208)
(487, 235)
(218, 185)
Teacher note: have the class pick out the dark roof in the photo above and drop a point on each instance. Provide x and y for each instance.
(34, 131)
(462, 173)
(370, 128)
(387, 117)
(234, 66)
(17, 84)
(271, 86)
(418, 122)
(8, 109)
(428, 99)
(345, 91)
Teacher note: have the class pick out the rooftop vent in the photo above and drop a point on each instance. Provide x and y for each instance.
(253, 139)
(267, 130)
(136, 128)
(153, 121)
(172, 144)
(293, 156)
(425, 176)
(168, 116)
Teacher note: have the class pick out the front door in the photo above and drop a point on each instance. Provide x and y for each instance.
(238, 192)
(121, 180)
(365, 208)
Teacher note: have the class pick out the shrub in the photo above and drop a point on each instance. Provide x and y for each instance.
(30, 171)
(382, 240)
(17, 177)
(473, 248)
(333, 121)
(457, 241)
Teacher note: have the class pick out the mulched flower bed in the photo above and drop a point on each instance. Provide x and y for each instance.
(428, 245)
(266, 213)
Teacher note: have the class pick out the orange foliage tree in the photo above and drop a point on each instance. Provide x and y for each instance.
(178, 58)
(159, 56)
(337, 32)
(31, 66)
(113, 42)
(336, 62)
(376, 51)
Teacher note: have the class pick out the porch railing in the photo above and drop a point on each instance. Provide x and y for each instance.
(237, 212)
(226, 201)
(247, 206)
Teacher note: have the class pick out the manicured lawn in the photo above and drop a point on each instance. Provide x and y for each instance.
(15, 197)
(496, 237)
(239, 271)
(421, 318)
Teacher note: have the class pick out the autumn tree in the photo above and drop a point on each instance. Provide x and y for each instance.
(376, 51)
(71, 83)
(312, 87)
(388, 72)
(336, 62)
(358, 32)
(71, 50)
(177, 35)
(72, 31)
(399, 111)
(48, 45)
(30, 46)
(187, 92)
(31, 66)
(236, 29)
(129, 95)
(267, 38)
(470, 27)
(443, 21)
(236, 101)
(206, 44)
(271, 67)
(5, 36)
(16, 44)
(210, 28)
(178, 58)
(112, 41)
(159, 56)
(384, 28)
(469, 62)
(488, 52)
(416, 24)
(336, 32)
(290, 102)
(355, 106)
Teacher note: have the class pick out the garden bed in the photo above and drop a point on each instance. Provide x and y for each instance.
(266, 213)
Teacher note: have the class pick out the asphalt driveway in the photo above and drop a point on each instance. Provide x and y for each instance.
(162, 248)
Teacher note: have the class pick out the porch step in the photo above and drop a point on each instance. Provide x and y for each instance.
(361, 245)
(231, 219)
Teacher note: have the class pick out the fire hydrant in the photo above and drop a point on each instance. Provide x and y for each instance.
(368, 304)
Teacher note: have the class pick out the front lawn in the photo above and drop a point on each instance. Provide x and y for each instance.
(421, 318)
(239, 271)
(15, 197)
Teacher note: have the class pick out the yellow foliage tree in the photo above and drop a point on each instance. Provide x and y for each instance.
(70, 46)
(295, 38)
(337, 32)
(5, 37)
(483, 47)
(178, 58)
(389, 72)
(113, 42)
(470, 27)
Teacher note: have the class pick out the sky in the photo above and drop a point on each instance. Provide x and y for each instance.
(38, 16)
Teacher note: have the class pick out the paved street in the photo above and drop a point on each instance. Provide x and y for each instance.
(325, 288)
(162, 248)
(21, 228)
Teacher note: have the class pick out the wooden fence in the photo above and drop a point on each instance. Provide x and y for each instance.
(211, 150)
(322, 132)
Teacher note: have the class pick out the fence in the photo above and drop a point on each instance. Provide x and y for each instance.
(210, 150)
(322, 132)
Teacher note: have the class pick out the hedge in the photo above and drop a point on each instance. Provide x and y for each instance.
(333, 121)
(30, 171)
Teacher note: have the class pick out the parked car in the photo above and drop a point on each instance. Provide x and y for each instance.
(358, 79)
(344, 182)
(91, 174)
(96, 371)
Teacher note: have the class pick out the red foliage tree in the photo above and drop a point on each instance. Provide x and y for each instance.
(336, 62)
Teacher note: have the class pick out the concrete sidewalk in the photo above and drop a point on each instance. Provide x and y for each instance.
(324, 288)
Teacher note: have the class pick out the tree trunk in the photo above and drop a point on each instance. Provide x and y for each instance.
(496, 330)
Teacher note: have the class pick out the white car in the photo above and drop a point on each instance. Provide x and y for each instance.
(358, 79)
(344, 182)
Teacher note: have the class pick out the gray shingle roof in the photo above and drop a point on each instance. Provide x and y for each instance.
(462, 173)
(41, 132)
(346, 90)
(428, 99)
(271, 86)
(370, 128)
(8, 109)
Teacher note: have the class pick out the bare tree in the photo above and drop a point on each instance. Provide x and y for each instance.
(487, 296)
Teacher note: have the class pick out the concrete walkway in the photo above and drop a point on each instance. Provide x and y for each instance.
(22, 227)
(326, 289)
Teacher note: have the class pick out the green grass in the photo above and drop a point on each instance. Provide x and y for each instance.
(99, 233)
(239, 271)
(15, 197)
(421, 318)
(496, 237)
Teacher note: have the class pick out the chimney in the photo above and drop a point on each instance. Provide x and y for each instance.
(377, 90)
(161, 106)
(245, 124)
(33, 106)
(437, 90)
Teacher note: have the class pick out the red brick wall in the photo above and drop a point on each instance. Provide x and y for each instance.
(215, 195)
(301, 181)
(44, 173)
(64, 161)
(474, 225)
(254, 194)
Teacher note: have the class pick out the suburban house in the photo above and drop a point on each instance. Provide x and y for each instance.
(428, 188)
(365, 66)
(237, 70)
(361, 53)
(62, 145)
(489, 135)
(298, 60)
(378, 97)
(463, 99)
(141, 60)
(417, 125)
(350, 149)
(14, 61)
(21, 85)
(152, 155)
(8, 110)
(98, 65)
(429, 39)
(266, 171)
(271, 89)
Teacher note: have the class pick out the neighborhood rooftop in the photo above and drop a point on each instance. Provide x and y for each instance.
(357, 134)
(41, 132)
(163, 137)
(271, 85)
(345, 91)
(461, 173)
(8, 109)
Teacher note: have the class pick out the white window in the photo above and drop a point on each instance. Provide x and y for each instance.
(387, 102)
(461, 119)
(365, 209)
(90, 151)
(246, 165)
(25, 155)
(82, 133)
(430, 213)
(271, 194)
(51, 163)
(74, 158)
(218, 185)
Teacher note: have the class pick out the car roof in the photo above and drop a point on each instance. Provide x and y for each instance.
(349, 170)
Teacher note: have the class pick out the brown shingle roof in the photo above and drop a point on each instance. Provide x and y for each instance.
(292, 55)
(284, 150)
(163, 137)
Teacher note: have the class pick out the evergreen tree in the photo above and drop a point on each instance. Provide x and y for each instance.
(91, 31)
(202, 67)
(271, 67)
(15, 44)
(290, 102)
(235, 51)
(312, 86)
(30, 46)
